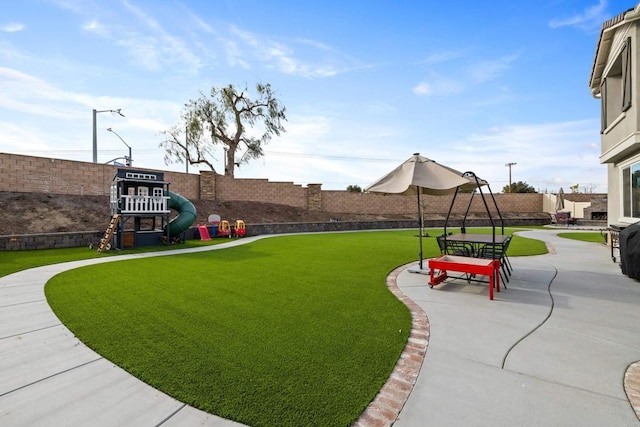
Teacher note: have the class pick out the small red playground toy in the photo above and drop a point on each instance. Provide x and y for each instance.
(239, 230)
(224, 229)
(203, 231)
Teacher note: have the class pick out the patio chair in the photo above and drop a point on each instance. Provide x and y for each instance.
(448, 247)
(499, 252)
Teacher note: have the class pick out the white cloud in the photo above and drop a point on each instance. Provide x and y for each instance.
(485, 71)
(148, 43)
(441, 57)
(94, 26)
(12, 27)
(422, 89)
(281, 55)
(234, 54)
(445, 83)
(591, 17)
(548, 155)
(438, 85)
(27, 94)
(15, 137)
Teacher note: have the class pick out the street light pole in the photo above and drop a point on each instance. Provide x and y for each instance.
(509, 166)
(129, 159)
(95, 130)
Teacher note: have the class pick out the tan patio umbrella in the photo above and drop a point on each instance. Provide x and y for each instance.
(560, 200)
(420, 175)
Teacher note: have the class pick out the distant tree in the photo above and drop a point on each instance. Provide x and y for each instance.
(354, 189)
(519, 187)
(575, 188)
(222, 118)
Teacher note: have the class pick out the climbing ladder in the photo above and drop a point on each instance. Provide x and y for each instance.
(104, 242)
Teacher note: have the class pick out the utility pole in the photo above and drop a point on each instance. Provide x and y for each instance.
(95, 130)
(509, 166)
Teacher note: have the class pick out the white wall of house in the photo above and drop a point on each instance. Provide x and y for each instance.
(618, 45)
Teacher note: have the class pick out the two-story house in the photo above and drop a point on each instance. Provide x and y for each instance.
(615, 80)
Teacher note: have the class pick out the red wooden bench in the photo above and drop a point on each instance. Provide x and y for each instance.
(463, 264)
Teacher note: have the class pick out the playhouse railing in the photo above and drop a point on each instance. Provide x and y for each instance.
(144, 204)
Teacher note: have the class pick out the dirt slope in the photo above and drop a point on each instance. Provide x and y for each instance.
(31, 213)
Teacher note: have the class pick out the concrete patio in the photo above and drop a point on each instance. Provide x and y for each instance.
(552, 349)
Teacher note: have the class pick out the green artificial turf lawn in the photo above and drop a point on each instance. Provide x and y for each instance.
(287, 331)
(594, 237)
(13, 261)
(297, 330)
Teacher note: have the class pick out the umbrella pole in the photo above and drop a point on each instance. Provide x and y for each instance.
(420, 224)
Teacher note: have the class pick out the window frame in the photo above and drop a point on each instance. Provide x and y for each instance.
(616, 90)
(630, 190)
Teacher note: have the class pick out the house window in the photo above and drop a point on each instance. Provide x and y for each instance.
(143, 191)
(615, 90)
(157, 192)
(631, 191)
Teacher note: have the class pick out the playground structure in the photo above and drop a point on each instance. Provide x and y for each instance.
(141, 205)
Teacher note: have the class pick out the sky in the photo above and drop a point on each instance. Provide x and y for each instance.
(474, 85)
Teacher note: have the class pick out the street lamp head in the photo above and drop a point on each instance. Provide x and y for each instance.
(119, 137)
(118, 111)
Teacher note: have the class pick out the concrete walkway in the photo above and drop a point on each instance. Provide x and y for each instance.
(552, 349)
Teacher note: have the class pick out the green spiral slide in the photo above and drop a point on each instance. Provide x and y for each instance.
(186, 214)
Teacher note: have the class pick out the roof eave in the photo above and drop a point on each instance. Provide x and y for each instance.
(604, 45)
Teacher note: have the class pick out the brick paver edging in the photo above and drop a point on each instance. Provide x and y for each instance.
(385, 408)
(632, 386)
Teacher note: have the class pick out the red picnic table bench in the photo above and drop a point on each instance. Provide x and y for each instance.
(463, 264)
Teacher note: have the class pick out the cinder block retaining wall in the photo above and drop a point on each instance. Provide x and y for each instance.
(55, 176)
(19, 242)
(261, 229)
(78, 239)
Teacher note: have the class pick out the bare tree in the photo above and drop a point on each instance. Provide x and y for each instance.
(222, 118)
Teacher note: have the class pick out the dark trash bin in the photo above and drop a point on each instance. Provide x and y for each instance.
(630, 250)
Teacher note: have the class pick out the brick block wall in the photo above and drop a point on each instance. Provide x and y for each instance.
(48, 175)
(260, 190)
(56, 176)
(187, 185)
(369, 203)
